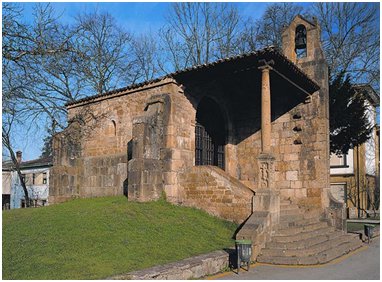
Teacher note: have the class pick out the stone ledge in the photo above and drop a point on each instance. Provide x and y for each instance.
(190, 268)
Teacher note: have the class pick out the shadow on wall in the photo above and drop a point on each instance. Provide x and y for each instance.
(125, 187)
(129, 157)
(241, 97)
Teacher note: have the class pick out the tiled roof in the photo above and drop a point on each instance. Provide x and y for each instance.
(7, 165)
(270, 52)
(369, 93)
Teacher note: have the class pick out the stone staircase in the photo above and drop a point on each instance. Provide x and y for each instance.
(302, 239)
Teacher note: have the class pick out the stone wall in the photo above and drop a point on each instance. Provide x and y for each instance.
(190, 268)
(145, 171)
(179, 151)
(164, 140)
(315, 114)
(297, 147)
(209, 188)
(91, 155)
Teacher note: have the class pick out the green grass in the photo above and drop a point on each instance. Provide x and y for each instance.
(97, 238)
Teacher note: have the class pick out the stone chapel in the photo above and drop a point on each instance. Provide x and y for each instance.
(244, 138)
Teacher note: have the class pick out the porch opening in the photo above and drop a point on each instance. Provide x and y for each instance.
(210, 134)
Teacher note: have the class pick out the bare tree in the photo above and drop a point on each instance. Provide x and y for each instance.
(35, 64)
(26, 48)
(350, 34)
(146, 63)
(198, 33)
(248, 36)
(362, 195)
(271, 24)
(9, 119)
(103, 50)
(21, 40)
(47, 64)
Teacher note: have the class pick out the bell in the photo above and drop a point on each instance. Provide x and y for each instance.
(300, 41)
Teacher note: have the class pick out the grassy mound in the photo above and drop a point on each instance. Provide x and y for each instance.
(97, 238)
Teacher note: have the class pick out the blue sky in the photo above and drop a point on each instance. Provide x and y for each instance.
(135, 16)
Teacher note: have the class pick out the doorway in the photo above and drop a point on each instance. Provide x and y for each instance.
(210, 134)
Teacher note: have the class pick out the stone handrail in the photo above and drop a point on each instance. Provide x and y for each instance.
(258, 229)
(336, 213)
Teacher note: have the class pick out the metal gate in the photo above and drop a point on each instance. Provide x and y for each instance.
(207, 151)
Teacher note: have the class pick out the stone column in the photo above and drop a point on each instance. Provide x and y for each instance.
(266, 126)
(267, 196)
(266, 158)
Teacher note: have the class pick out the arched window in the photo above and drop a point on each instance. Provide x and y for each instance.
(111, 129)
(300, 41)
(114, 127)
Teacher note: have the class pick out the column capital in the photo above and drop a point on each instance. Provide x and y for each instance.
(265, 68)
(266, 65)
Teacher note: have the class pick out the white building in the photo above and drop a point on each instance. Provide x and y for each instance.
(36, 177)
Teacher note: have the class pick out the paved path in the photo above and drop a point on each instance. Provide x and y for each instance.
(362, 264)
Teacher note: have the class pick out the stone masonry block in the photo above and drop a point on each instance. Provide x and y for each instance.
(313, 192)
(292, 175)
(291, 157)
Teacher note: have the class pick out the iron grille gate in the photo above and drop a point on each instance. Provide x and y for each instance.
(206, 151)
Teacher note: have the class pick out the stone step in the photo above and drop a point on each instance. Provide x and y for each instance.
(288, 260)
(302, 236)
(338, 251)
(301, 229)
(312, 214)
(301, 222)
(302, 214)
(288, 212)
(309, 251)
(305, 243)
(284, 207)
(291, 218)
(319, 258)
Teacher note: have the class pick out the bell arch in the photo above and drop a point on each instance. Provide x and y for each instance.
(300, 41)
(210, 134)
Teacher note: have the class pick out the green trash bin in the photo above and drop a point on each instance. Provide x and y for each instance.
(244, 253)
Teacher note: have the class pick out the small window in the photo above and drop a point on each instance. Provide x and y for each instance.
(44, 178)
(114, 127)
(338, 161)
(33, 178)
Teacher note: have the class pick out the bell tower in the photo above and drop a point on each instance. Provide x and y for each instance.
(301, 40)
(301, 43)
